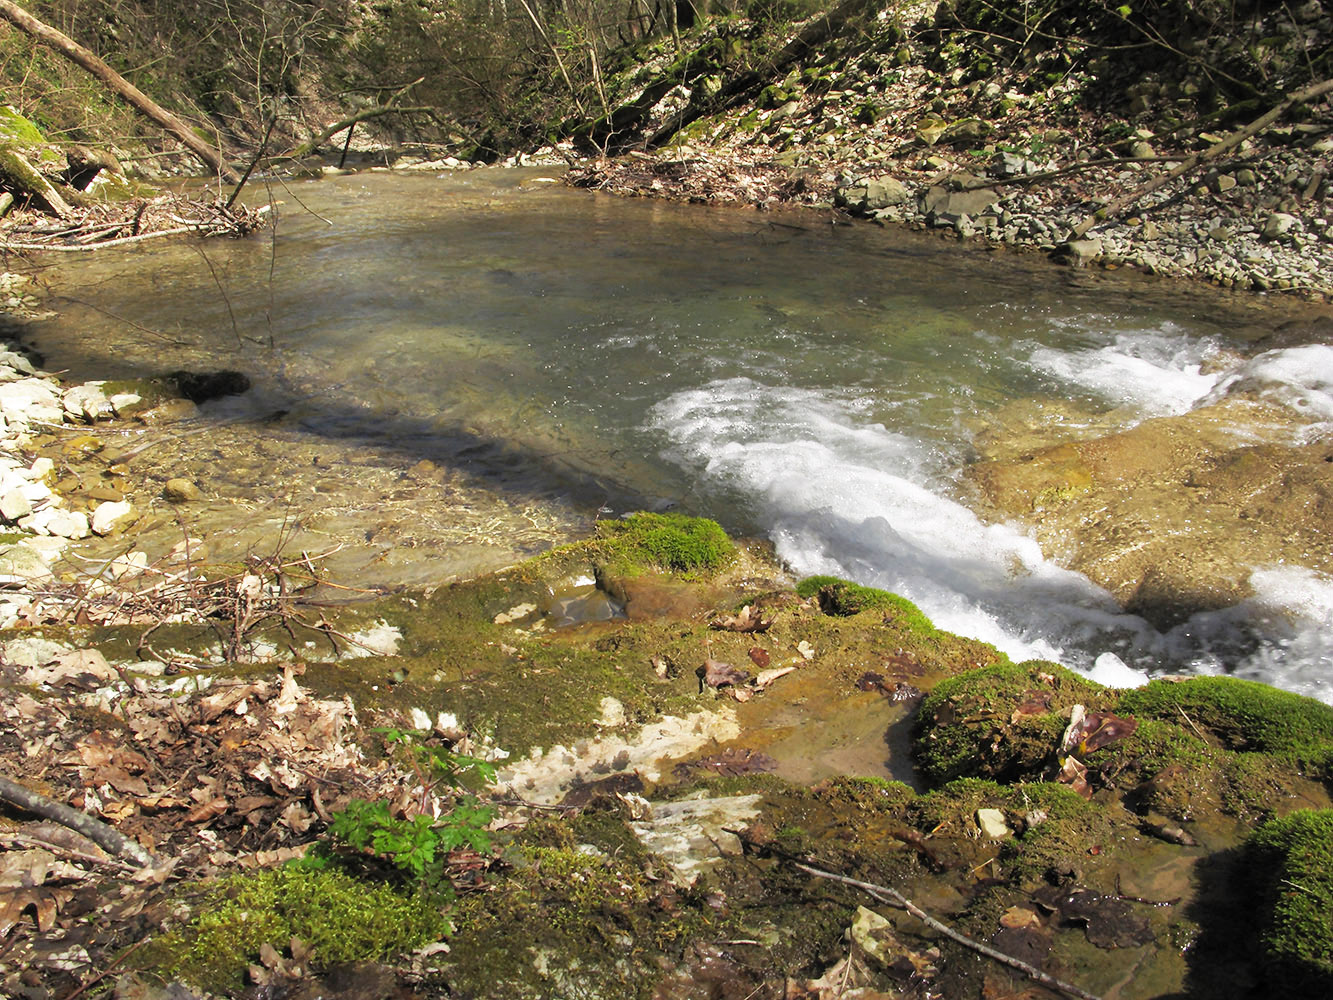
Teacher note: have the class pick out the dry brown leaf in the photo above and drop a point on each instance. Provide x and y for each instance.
(747, 620)
(717, 674)
(44, 900)
(297, 817)
(205, 811)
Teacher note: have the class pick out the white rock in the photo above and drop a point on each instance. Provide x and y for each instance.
(31, 400)
(61, 523)
(21, 564)
(992, 824)
(613, 713)
(110, 515)
(41, 469)
(32, 652)
(87, 402)
(14, 505)
(123, 401)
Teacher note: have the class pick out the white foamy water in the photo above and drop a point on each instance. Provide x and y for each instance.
(1282, 635)
(848, 497)
(856, 500)
(1298, 378)
(1159, 373)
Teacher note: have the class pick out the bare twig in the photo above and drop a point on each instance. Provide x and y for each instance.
(95, 830)
(895, 898)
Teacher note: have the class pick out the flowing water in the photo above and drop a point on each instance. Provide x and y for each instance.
(563, 352)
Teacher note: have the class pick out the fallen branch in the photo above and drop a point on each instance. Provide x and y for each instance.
(88, 60)
(895, 898)
(77, 247)
(94, 829)
(1223, 145)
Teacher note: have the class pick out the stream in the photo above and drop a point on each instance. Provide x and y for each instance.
(451, 372)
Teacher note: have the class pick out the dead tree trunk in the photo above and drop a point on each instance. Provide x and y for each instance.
(88, 60)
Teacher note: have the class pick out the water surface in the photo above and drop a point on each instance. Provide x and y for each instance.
(562, 354)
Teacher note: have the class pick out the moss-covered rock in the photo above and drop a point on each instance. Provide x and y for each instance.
(1003, 722)
(844, 598)
(1291, 869)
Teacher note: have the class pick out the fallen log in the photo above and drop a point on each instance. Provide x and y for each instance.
(88, 60)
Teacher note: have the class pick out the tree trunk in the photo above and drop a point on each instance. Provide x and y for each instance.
(88, 60)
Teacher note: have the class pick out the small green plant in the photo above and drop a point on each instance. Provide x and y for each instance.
(416, 846)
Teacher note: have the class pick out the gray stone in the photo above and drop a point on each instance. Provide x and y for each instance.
(1224, 183)
(1011, 165)
(964, 131)
(942, 201)
(1279, 224)
(884, 192)
(1141, 151)
(1080, 252)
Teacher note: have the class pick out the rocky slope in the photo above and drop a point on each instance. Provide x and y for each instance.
(923, 115)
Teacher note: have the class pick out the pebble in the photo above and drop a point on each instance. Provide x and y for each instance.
(180, 490)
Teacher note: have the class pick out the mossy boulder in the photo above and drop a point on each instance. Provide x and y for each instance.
(1003, 722)
(670, 542)
(1291, 870)
(1187, 748)
(844, 598)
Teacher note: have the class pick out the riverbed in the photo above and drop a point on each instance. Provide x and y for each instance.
(451, 372)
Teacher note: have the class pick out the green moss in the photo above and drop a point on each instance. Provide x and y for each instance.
(341, 918)
(971, 725)
(1244, 716)
(1060, 829)
(1291, 868)
(672, 542)
(18, 130)
(573, 917)
(842, 597)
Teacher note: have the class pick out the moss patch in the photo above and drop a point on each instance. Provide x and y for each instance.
(1244, 716)
(844, 598)
(1002, 722)
(341, 918)
(671, 542)
(1292, 867)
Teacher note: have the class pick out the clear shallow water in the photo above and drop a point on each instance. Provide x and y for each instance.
(817, 384)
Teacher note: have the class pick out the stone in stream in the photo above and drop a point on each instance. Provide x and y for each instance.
(14, 505)
(180, 490)
(111, 515)
(87, 402)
